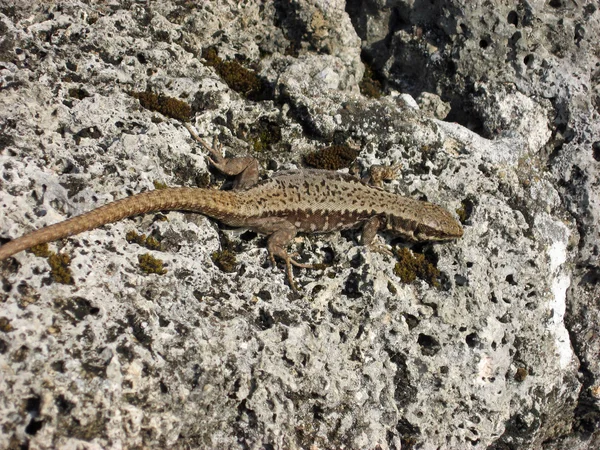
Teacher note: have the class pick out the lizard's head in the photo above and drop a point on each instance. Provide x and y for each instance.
(440, 226)
(431, 223)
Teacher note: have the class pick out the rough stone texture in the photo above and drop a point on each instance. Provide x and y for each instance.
(502, 355)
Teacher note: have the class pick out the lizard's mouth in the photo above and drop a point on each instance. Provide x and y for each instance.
(450, 230)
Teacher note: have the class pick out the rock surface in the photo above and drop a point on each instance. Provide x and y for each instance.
(499, 351)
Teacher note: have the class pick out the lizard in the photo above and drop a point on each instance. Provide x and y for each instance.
(291, 202)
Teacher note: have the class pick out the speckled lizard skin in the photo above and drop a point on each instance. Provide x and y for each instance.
(308, 201)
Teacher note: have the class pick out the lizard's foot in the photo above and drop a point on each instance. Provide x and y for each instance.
(303, 265)
(245, 168)
(380, 248)
(216, 157)
(281, 253)
(378, 173)
(289, 262)
(202, 142)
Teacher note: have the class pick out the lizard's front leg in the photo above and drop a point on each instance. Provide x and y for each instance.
(377, 175)
(369, 235)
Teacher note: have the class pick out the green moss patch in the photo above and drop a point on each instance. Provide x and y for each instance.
(411, 266)
(5, 325)
(264, 134)
(148, 242)
(369, 85)
(167, 106)
(334, 157)
(41, 250)
(158, 185)
(225, 260)
(60, 271)
(239, 78)
(150, 264)
(59, 268)
(465, 210)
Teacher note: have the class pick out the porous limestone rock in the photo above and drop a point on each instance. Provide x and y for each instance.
(500, 352)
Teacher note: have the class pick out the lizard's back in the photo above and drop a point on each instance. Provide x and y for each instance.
(319, 201)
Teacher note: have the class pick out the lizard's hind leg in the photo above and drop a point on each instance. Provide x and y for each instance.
(280, 232)
(275, 248)
(244, 168)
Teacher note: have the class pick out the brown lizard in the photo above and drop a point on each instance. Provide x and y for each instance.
(306, 201)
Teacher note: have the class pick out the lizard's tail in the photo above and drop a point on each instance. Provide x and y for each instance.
(210, 202)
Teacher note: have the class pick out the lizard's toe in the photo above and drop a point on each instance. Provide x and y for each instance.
(378, 247)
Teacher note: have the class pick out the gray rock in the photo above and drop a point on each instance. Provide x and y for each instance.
(500, 353)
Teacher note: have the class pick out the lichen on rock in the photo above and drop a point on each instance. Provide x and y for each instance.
(491, 112)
